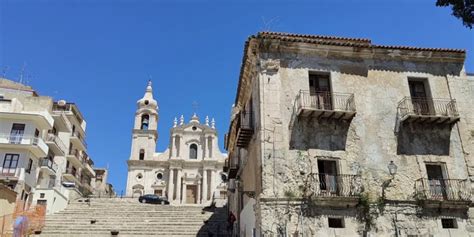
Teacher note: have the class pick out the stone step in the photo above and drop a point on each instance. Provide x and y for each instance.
(132, 218)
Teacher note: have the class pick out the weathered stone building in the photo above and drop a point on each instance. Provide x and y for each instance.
(336, 136)
(188, 172)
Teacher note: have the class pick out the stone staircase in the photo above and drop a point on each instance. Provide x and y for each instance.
(98, 217)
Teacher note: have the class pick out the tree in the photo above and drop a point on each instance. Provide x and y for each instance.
(463, 9)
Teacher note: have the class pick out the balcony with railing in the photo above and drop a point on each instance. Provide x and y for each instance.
(335, 190)
(245, 128)
(48, 166)
(75, 157)
(78, 140)
(70, 110)
(449, 193)
(72, 175)
(55, 143)
(9, 173)
(329, 105)
(35, 145)
(234, 164)
(428, 110)
(14, 110)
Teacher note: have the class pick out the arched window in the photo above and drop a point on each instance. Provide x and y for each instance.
(145, 122)
(142, 154)
(193, 150)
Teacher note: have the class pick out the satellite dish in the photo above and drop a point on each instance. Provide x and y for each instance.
(61, 102)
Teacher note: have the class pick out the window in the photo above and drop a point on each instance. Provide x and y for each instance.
(145, 122)
(10, 163)
(41, 202)
(336, 222)
(449, 224)
(159, 176)
(16, 133)
(142, 154)
(41, 195)
(30, 165)
(193, 151)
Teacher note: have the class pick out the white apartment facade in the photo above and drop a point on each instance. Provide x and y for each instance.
(35, 139)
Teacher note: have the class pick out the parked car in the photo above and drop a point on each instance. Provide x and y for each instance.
(152, 198)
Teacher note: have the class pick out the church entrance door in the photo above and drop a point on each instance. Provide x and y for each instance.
(191, 192)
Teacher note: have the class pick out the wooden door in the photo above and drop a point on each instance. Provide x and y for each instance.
(320, 92)
(159, 192)
(327, 176)
(419, 97)
(436, 181)
(191, 193)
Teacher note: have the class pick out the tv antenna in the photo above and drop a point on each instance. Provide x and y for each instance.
(4, 71)
(267, 25)
(195, 106)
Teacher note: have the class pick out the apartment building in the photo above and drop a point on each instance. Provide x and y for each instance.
(41, 146)
(334, 136)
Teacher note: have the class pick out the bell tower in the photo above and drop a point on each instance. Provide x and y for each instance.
(145, 134)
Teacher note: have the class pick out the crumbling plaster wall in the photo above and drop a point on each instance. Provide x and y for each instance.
(371, 142)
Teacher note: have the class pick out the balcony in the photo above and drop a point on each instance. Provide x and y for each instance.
(75, 158)
(244, 129)
(445, 193)
(234, 164)
(72, 175)
(48, 166)
(226, 165)
(9, 173)
(33, 144)
(71, 111)
(78, 141)
(55, 144)
(339, 106)
(340, 190)
(14, 110)
(428, 110)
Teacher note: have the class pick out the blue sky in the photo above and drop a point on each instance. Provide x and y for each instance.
(100, 54)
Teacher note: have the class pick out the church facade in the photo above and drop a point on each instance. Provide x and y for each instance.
(189, 171)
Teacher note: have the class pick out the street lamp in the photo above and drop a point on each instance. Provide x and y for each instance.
(392, 168)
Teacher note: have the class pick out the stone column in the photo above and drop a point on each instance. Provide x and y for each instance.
(212, 183)
(170, 185)
(184, 193)
(178, 186)
(198, 194)
(204, 186)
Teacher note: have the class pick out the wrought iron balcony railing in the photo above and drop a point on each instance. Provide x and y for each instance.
(427, 107)
(443, 189)
(328, 101)
(339, 185)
